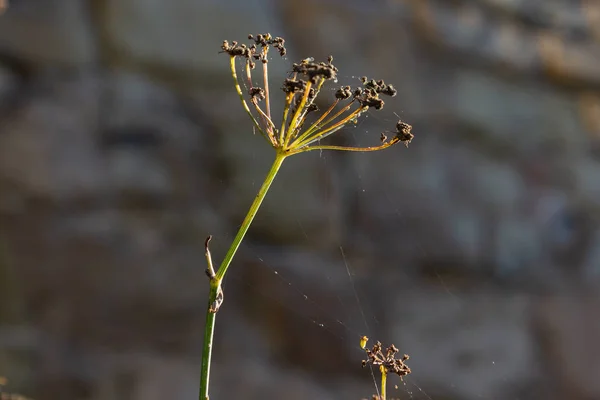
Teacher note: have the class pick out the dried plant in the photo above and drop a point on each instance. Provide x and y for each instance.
(292, 135)
(301, 91)
(386, 361)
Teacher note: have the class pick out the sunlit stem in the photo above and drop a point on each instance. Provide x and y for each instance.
(217, 278)
(289, 98)
(267, 121)
(346, 148)
(266, 82)
(314, 127)
(249, 74)
(319, 135)
(262, 192)
(288, 102)
(244, 104)
(302, 121)
(296, 131)
(299, 110)
(337, 114)
(383, 381)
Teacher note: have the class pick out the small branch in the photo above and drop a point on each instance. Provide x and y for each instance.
(249, 74)
(210, 271)
(266, 82)
(289, 98)
(315, 127)
(244, 104)
(319, 135)
(270, 125)
(288, 102)
(304, 113)
(349, 148)
(295, 117)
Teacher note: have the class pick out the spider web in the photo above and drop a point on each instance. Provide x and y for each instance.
(326, 320)
(331, 323)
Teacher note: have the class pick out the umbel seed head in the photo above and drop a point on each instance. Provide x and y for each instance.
(301, 128)
(386, 360)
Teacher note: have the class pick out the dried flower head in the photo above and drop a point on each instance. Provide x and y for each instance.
(387, 360)
(301, 90)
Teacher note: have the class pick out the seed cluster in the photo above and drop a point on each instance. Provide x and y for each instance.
(251, 53)
(313, 71)
(403, 132)
(301, 89)
(387, 360)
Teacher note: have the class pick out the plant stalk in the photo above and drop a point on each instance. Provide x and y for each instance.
(209, 332)
(215, 294)
(383, 382)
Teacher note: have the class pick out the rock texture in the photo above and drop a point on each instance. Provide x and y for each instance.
(476, 250)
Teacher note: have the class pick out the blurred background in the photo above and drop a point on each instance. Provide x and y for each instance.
(476, 250)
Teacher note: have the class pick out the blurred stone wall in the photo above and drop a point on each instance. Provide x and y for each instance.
(476, 250)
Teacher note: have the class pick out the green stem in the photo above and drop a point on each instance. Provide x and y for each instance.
(383, 383)
(251, 214)
(215, 282)
(209, 332)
